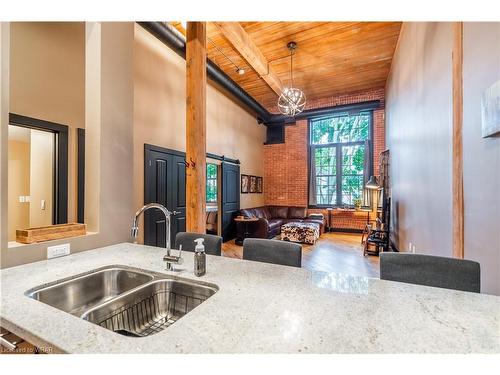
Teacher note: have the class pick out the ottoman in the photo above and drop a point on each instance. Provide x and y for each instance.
(300, 232)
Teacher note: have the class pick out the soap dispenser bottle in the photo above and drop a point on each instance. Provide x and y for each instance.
(200, 258)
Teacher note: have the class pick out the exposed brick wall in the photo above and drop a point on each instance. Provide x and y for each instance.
(285, 165)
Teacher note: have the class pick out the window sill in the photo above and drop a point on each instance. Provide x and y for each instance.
(15, 244)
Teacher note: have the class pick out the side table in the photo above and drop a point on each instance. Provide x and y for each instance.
(246, 233)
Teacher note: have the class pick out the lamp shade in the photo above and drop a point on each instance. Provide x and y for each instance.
(372, 183)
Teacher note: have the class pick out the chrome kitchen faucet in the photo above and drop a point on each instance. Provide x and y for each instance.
(168, 258)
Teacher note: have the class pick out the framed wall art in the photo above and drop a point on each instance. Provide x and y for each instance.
(244, 184)
(259, 185)
(253, 184)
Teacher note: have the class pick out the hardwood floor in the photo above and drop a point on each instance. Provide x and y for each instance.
(333, 252)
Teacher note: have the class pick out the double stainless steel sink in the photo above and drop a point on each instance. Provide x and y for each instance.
(125, 300)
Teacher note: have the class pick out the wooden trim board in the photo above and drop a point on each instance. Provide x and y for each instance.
(52, 232)
(457, 163)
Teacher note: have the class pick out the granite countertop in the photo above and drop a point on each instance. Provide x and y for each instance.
(261, 308)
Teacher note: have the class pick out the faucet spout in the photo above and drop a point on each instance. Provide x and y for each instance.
(134, 231)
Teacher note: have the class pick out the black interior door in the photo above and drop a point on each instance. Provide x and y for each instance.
(230, 199)
(164, 183)
(178, 207)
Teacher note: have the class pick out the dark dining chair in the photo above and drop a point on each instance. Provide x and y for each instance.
(213, 244)
(272, 251)
(441, 272)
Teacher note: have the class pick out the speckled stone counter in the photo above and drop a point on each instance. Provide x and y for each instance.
(261, 308)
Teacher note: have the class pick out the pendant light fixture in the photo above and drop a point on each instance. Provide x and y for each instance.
(292, 100)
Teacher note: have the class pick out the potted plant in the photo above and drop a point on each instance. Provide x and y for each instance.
(357, 204)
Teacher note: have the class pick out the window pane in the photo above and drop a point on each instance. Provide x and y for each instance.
(353, 159)
(211, 183)
(326, 190)
(326, 175)
(211, 171)
(352, 173)
(326, 162)
(338, 129)
(352, 189)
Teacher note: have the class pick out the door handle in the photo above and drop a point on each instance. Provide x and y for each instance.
(176, 212)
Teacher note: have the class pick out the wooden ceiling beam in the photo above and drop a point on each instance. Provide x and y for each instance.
(244, 44)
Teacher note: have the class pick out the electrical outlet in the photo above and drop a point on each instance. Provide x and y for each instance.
(58, 250)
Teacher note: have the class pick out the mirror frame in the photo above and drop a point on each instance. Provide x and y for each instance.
(60, 183)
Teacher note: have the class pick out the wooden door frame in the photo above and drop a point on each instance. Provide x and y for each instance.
(80, 199)
(60, 178)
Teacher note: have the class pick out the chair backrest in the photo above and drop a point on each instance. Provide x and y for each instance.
(272, 251)
(441, 272)
(213, 244)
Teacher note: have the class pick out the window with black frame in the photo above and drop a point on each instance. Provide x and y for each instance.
(211, 183)
(340, 159)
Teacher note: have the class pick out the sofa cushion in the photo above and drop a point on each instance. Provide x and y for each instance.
(259, 212)
(272, 211)
(275, 223)
(297, 212)
(320, 222)
(316, 216)
(247, 212)
(280, 212)
(266, 212)
(292, 220)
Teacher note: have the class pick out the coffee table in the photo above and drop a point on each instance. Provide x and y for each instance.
(300, 232)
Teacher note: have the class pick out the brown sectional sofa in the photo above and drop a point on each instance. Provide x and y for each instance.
(271, 218)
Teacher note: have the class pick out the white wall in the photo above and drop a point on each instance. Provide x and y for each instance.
(418, 134)
(481, 155)
(41, 178)
(160, 115)
(47, 81)
(418, 131)
(109, 141)
(134, 93)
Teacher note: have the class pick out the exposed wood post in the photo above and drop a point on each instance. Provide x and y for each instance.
(196, 81)
(457, 174)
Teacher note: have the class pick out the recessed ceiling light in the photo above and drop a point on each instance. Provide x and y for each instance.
(240, 71)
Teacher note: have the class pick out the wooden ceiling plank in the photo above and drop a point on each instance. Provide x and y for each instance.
(333, 57)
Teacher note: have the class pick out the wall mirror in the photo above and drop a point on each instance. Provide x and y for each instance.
(46, 136)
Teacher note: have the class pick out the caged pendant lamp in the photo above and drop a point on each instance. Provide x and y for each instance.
(292, 100)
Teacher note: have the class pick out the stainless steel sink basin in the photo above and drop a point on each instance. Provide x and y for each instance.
(126, 300)
(151, 308)
(82, 292)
